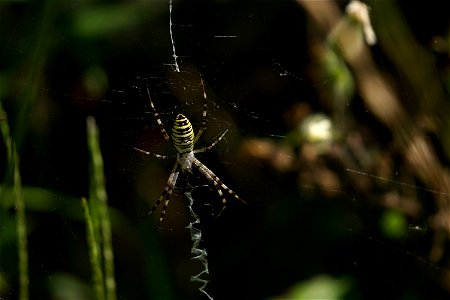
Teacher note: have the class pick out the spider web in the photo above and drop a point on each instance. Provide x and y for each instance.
(261, 124)
(313, 208)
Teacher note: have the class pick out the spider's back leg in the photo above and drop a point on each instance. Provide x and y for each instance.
(217, 183)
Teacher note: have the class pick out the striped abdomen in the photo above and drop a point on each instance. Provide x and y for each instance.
(183, 134)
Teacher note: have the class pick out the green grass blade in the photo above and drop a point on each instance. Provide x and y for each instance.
(99, 200)
(22, 247)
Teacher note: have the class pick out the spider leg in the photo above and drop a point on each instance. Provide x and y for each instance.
(216, 182)
(157, 118)
(205, 109)
(159, 156)
(212, 145)
(166, 193)
(227, 189)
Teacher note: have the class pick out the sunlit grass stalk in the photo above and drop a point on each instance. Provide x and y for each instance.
(94, 259)
(21, 229)
(99, 210)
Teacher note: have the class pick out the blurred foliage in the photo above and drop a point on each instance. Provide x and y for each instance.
(341, 150)
(394, 224)
(13, 185)
(319, 287)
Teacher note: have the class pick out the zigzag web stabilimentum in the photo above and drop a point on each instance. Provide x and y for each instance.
(198, 253)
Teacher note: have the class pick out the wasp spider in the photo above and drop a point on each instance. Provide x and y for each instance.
(184, 139)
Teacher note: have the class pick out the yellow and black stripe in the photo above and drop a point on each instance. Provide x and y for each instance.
(183, 134)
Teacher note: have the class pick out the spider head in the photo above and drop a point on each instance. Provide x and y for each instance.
(185, 161)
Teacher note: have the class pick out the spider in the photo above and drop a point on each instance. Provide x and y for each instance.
(184, 139)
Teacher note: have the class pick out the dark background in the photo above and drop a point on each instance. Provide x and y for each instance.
(310, 223)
